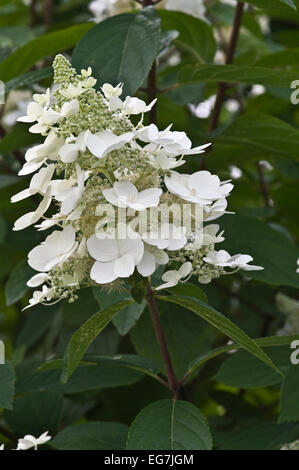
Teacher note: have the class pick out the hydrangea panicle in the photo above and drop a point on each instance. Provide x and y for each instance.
(94, 161)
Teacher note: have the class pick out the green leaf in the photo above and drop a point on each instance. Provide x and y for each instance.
(252, 137)
(169, 425)
(15, 36)
(186, 94)
(195, 35)
(84, 336)
(269, 248)
(283, 58)
(263, 342)
(190, 290)
(106, 374)
(76, 313)
(260, 436)
(130, 361)
(127, 317)
(35, 414)
(36, 324)
(54, 364)
(3, 228)
(16, 286)
(119, 36)
(28, 79)
(236, 74)
(289, 410)
(92, 436)
(223, 324)
(243, 370)
(7, 387)
(17, 138)
(8, 180)
(43, 46)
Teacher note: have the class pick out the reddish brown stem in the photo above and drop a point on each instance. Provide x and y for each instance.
(153, 310)
(33, 13)
(229, 59)
(48, 13)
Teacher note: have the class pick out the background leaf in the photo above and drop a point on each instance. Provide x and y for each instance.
(52, 43)
(35, 414)
(195, 35)
(16, 285)
(243, 370)
(92, 436)
(276, 253)
(237, 74)
(289, 396)
(7, 388)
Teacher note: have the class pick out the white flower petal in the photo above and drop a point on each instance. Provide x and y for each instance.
(124, 266)
(22, 195)
(185, 270)
(147, 265)
(171, 276)
(37, 280)
(103, 273)
(102, 250)
(149, 197)
(70, 108)
(69, 152)
(55, 249)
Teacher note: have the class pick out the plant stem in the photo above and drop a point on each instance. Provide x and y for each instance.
(48, 12)
(153, 310)
(229, 59)
(33, 13)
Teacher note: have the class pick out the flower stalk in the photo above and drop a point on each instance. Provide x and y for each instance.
(229, 60)
(161, 339)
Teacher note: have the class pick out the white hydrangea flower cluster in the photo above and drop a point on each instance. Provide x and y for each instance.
(31, 442)
(93, 156)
